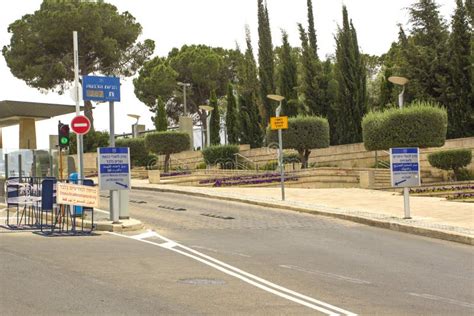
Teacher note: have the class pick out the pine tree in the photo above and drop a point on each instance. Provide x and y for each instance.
(265, 60)
(248, 91)
(309, 84)
(160, 120)
(215, 122)
(351, 76)
(231, 118)
(288, 78)
(311, 29)
(460, 95)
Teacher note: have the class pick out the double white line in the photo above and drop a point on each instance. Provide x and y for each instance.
(242, 275)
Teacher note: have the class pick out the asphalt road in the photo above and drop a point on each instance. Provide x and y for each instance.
(215, 257)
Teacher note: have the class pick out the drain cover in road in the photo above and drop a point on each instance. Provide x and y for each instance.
(178, 209)
(202, 281)
(218, 216)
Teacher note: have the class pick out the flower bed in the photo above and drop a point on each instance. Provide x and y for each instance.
(461, 196)
(241, 178)
(222, 183)
(174, 173)
(442, 189)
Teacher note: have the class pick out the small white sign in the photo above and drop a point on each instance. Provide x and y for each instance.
(405, 167)
(114, 168)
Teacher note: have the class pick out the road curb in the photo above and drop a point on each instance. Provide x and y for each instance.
(415, 230)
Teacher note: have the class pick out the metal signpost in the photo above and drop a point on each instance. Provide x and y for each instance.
(76, 96)
(114, 174)
(279, 123)
(405, 172)
(105, 89)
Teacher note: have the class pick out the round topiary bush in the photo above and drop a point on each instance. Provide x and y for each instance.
(138, 153)
(418, 125)
(167, 143)
(454, 160)
(303, 134)
(224, 155)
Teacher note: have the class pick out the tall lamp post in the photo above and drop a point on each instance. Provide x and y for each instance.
(279, 99)
(208, 110)
(399, 81)
(402, 81)
(134, 126)
(184, 85)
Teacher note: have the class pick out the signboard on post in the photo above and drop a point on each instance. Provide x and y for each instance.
(114, 168)
(405, 167)
(279, 122)
(101, 88)
(75, 194)
(80, 125)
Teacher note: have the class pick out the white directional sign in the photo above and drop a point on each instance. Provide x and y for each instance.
(114, 168)
(405, 167)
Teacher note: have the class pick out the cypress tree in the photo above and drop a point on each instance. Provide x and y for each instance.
(215, 122)
(160, 120)
(460, 95)
(311, 29)
(265, 60)
(309, 84)
(250, 132)
(231, 120)
(288, 78)
(351, 76)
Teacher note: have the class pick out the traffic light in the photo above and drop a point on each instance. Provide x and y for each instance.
(63, 135)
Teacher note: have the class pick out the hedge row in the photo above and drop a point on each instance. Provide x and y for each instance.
(418, 125)
(454, 159)
(222, 154)
(138, 154)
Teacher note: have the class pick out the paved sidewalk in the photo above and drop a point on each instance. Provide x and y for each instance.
(431, 217)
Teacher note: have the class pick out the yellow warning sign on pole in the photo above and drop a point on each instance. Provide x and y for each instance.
(280, 122)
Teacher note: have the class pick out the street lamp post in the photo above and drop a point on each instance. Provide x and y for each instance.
(184, 85)
(402, 81)
(134, 126)
(208, 110)
(279, 99)
(399, 81)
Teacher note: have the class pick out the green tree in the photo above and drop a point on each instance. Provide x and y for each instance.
(309, 81)
(91, 141)
(460, 98)
(251, 133)
(265, 60)
(303, 134)
(40, 50)
(351, 75)
(215, 122)
(160, 120)
(311, 29)
(231, 117)
(288, 77)
(167, 143)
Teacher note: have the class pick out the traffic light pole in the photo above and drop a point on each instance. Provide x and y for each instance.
(79, 138)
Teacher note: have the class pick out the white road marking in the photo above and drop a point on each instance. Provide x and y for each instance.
(326, 274)
(225, 252)
(443, 299)
(101, 211)
(148, 234)
(246, 277)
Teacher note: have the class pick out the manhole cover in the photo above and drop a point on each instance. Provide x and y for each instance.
(202, 281)
(138, 201)
(218, 216)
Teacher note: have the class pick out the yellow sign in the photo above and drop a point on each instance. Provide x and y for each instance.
(75, 194)
(280, 122)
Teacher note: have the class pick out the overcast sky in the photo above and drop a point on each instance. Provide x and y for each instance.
(172, 23)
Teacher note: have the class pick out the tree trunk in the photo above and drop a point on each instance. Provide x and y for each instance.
(304, 156)
(167, 163)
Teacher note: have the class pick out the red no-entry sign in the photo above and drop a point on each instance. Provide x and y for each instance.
(80, 125)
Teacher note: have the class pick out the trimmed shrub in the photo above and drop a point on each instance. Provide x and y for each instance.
(270, 165)
(220, 154)
(167, 143)
(454, 160)
(138, 153)
(419, 125)
(303, 134)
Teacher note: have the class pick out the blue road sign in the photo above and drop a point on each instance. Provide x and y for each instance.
(114, 168)
(96, 88)
(405, 167)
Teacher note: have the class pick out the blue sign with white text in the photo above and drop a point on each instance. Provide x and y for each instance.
(104, 89)
(114, 168)
(405, 167)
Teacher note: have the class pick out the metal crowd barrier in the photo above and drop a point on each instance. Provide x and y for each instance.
(31, 205)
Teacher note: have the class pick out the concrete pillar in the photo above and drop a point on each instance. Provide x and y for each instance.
(1, 139)
(27, 133)
(53, 141)
(186, 126)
